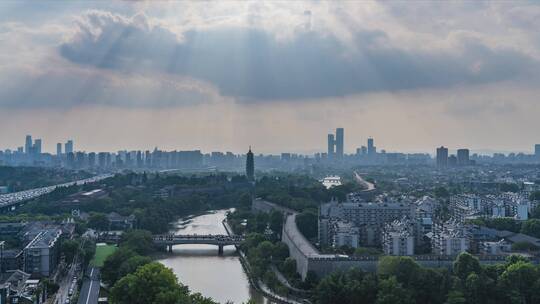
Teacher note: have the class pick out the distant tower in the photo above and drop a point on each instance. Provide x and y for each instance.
(331, 144)
(463, 157)
(250, 166)
(37, 147)
(339, 143)
(371, 149)
(442, 157)
(68, 147)
(58, 149)
(28, 144)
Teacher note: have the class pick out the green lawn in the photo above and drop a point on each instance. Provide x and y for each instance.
(102, 252)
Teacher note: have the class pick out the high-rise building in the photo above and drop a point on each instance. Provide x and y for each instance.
(442, 157)
(139, 159)
(452, 161)
(371, 149)
(70, 159)
(336, 144)
(37, 146)
(102, 159)
(339, 143)
(28, 144)
(250, 166)
(537, 151)
(91, 159)
(331, 145)
(58, 149)
(463, 157)
(68, 147)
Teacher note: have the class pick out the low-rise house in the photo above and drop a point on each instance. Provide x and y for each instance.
(496, 248)
(16, 287)
(120, 222)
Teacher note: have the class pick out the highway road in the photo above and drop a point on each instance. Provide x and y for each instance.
(10, 199)
(90, 289)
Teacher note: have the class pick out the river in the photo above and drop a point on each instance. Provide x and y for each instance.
(198, 266)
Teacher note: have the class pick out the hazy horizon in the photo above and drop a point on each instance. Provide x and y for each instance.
(279, 76)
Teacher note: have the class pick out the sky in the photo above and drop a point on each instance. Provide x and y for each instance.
(279, 76)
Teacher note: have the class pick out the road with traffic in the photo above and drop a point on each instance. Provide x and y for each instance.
(90, 289)
(11, 199)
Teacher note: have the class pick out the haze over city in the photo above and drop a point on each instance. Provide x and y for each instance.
(269, 152)
(275, 75)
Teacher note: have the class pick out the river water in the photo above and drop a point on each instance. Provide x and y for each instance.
(198, 266)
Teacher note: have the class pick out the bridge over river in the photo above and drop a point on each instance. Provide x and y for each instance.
(220, 240)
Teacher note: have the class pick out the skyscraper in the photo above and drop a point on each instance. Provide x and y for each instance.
(463, 157)
(28, 144)
(37, 146)
(69, 147)
(339, 143)
(58, 149)
(331, 144)
(442, 157)
(537, 151)
(250, 166)
(371, 149)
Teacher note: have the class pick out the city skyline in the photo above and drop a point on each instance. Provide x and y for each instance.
(335, 142)
(381, 69)
(256, 151)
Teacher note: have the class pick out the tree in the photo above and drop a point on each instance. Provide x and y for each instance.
(505, 187)
(524, 246)
(466, 264)
(98, 221)
(519, 280)
(430, 286)
(404, 269)
(280, 251)
(289, 266)
(331, 289)
(307, 223)
(392, 292)
(531, 227)
(131, 265)
(276, 222)
(473, 288)
(252, 240)
(150, 284)
(455, 297)
(112, 264)
(441, 192)
(69, 248)
(139, 241)
(503, 224)
(260, 257)
(535, 196)
(352, 286)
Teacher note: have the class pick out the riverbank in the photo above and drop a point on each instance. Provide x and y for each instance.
(255, 282)
(221, 277)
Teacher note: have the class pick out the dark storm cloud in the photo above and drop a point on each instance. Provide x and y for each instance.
(251, 64)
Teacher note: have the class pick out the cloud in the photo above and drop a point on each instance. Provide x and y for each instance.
(251, 64)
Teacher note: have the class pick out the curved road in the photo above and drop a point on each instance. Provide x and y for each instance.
(364, 183)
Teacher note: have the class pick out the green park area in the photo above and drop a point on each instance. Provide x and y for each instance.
(102, 252)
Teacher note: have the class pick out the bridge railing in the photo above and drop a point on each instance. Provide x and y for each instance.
(172, 237)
